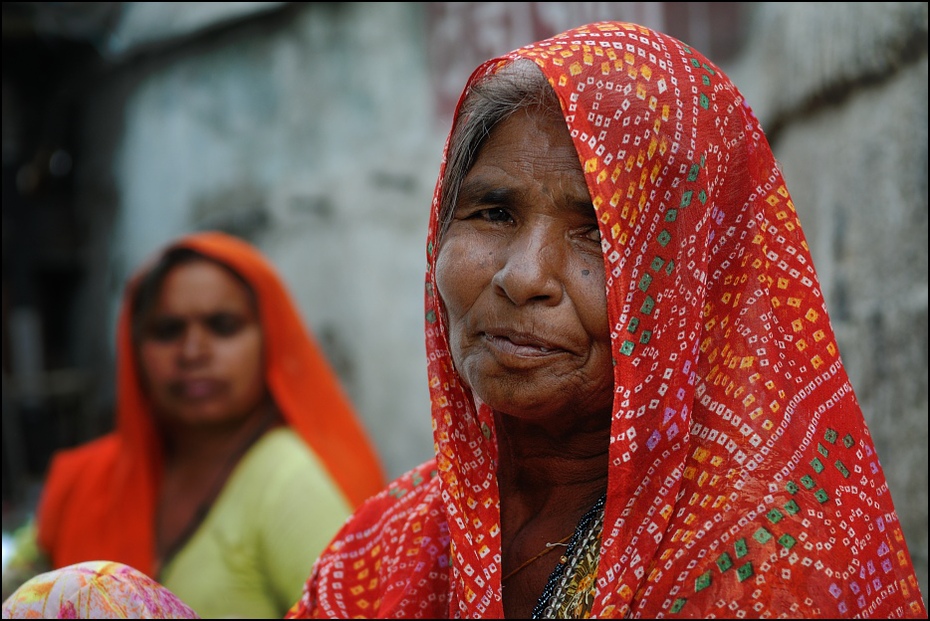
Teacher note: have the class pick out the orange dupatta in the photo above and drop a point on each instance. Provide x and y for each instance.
(98, 500)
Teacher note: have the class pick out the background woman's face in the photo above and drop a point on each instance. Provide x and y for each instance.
(200, 354)
(521, 275)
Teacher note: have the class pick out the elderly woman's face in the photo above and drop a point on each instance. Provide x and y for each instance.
(521, 275)
(200, 353)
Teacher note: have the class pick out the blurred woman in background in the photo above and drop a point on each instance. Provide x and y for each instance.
(236, 455)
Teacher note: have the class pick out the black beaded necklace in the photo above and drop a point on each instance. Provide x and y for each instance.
(588, 532)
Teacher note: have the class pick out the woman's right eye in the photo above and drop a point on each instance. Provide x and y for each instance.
(494, 214)
(165, 329)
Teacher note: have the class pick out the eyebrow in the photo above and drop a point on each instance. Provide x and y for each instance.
(483, 192)
(584, 207)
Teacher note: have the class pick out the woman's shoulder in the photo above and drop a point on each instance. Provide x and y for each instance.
(399, 528)
(79, 466)
(103, 449)
(390, 513)
(279, 448)
(281, 437)
(417, 480)
(280, 461)
(407, 491)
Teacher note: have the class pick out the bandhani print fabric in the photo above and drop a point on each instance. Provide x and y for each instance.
(743, 480)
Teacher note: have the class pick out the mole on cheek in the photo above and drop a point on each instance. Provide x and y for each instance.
(585, 272)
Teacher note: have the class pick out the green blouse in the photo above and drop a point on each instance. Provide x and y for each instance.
(252, 554)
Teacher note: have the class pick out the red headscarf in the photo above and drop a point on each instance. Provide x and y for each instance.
(99, 498)
(743, 480)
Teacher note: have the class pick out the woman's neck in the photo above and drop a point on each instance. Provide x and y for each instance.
(547, 482)
(198, 462)
(198, 447)
(544, 467)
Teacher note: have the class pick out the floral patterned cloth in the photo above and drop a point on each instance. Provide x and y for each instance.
(743, 480)
(95, 590)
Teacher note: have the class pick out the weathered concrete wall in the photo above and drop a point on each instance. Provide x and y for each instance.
(841, 89)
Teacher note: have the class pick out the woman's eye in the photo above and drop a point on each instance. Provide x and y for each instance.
(165, 329)
(224, 324)
(495, 214)
(594, 234)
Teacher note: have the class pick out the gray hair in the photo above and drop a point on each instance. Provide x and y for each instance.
(489, 101)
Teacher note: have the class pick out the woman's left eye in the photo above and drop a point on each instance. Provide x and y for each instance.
(587, 233)
(224, 324)
(594, 234)
(495, 214)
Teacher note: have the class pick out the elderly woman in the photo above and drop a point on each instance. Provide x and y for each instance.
(638, 405)
(638, 402)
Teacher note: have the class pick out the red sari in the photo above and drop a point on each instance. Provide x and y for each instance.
(743, 480)
(99, 499)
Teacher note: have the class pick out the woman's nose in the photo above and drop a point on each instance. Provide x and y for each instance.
(194, 344)
(530, 268)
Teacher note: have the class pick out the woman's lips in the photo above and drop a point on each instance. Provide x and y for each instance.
(520, 344)
(197, 389)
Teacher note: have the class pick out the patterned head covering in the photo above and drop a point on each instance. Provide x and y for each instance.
(743, 479)
(99, 498)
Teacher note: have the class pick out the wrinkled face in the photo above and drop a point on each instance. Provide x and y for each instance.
(200, 353)
(521, 275)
